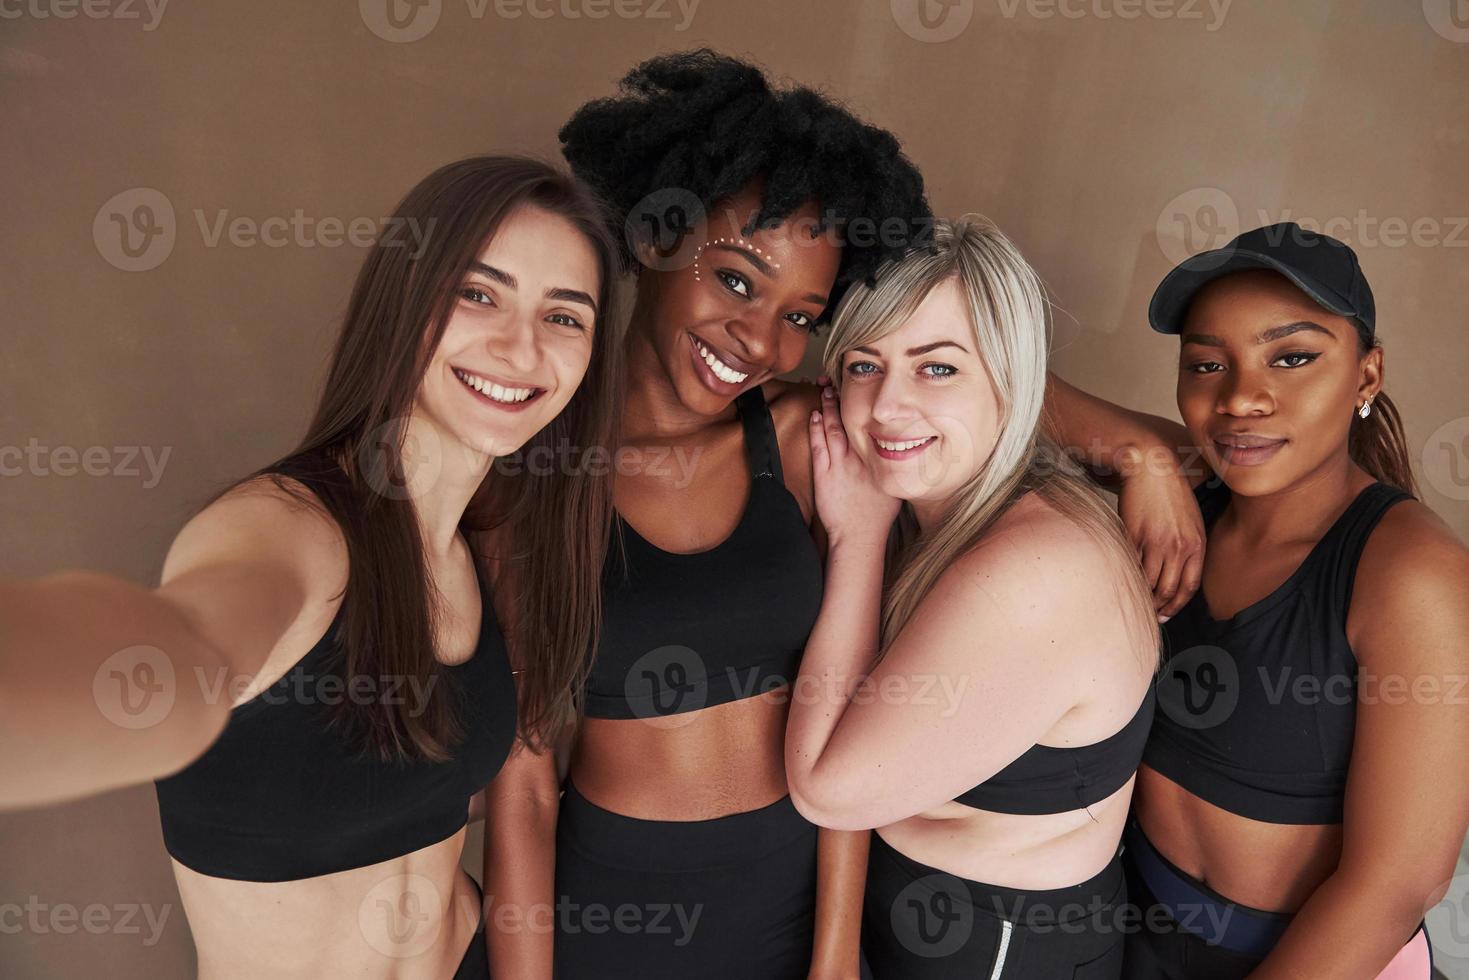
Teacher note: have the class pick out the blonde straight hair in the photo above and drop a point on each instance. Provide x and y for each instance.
(1008, 313)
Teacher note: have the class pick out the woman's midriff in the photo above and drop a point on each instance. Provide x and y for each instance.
(1267, 866)
(698, 765)
(409, 918)
(1026, 851)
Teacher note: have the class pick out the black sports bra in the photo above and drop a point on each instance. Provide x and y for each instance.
(277, 797)
(681, 632)
(1259, 710)
(1055, 779)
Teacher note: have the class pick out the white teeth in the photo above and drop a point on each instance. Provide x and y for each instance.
(721, 370)
(496, 392)
(897, 447)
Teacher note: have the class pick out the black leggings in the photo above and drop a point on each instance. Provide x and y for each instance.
(734, 896)
(920, 923)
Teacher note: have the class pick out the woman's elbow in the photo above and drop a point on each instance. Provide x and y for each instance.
(826, 806)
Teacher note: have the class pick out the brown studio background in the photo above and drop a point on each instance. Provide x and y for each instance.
(1107, 147)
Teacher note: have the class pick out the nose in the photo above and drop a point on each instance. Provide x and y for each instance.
(1245, 393)
(893, 402)
(755, 339)
(516, 344)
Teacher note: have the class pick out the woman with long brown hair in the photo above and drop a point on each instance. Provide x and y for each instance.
(676, 850)
(1303, 797)
(319, 683)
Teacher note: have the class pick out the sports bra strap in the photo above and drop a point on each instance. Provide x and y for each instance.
(761, 449)
(1349, 537)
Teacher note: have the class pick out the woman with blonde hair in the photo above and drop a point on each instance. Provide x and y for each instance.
(982, 697)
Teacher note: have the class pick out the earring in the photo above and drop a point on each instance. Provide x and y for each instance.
(1365, 410)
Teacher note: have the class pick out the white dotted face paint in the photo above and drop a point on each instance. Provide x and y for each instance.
(728, 241)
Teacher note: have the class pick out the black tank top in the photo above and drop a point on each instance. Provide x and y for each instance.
(278, 797)
(1258, 711)
(681, 632)
(1055, 779)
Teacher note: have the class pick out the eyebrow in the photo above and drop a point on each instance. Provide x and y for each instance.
(1263, 337)
(917, 351)
(765, 269)
(506, 279)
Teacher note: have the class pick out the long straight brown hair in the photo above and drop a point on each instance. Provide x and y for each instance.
(554, 524)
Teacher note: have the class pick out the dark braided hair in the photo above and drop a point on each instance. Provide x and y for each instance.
(709, 125)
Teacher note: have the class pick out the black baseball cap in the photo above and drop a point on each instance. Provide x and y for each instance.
(1324, 268)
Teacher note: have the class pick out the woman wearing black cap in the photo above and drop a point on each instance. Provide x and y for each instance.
(1303, 798)
(677, 851)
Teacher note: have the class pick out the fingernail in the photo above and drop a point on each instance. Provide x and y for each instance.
(827, 393)
(1163, 619)
(816, 416)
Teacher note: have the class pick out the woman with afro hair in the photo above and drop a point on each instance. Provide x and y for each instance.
(747, 210)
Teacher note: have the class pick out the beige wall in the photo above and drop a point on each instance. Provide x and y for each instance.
(1078, 134)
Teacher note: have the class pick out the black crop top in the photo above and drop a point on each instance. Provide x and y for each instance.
(277, 797)
(681, 632)
(1055, 779)
(1259, 710)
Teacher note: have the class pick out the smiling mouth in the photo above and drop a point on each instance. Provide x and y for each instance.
(902, 448)
(506, 395)
(721, 370)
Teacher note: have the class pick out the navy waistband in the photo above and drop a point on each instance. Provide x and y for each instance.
(636, 844)
(1198, 909)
